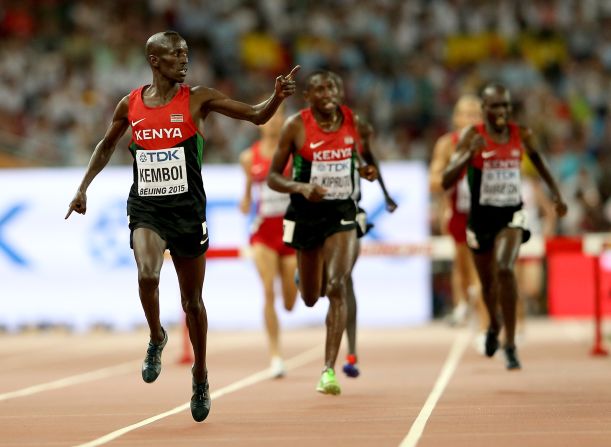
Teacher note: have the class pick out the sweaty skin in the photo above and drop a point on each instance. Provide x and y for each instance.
(326, 268)
(496, 266)
(167, 55)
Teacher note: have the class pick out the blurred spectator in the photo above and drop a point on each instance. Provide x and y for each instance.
(64, 63)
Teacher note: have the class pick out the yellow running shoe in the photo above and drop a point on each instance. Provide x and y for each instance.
(328, 383)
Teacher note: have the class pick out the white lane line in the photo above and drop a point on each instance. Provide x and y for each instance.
(299, 360)
(456, 352)
(72, 380)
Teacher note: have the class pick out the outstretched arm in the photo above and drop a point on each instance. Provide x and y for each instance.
(101, 155)
(211, 100)
(532, 150)
(469, 144)
(366, 132)
(291, 137)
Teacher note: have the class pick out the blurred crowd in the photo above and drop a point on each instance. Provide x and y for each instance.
(64, 64)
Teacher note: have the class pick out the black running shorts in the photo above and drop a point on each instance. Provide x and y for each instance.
(189, 244)
(307, 225)
(482, 233)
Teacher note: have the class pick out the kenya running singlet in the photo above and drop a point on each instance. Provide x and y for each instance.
(494, 177)
(327, 158)
(167, 150)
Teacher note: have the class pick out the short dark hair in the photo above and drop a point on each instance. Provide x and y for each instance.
(153, 40)
(321, 72)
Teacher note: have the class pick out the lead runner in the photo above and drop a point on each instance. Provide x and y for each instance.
(167, 204)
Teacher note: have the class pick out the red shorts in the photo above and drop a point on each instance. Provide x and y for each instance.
(457, 227)
(269, 233)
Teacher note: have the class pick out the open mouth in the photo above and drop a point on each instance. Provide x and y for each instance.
(328, 105)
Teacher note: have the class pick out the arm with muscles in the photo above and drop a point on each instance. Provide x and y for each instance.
(246, 163)
(530, 144)
(211, 100)
(291, 135)
(470, 143)
(366, 131)
(546, 208)
(101, 155)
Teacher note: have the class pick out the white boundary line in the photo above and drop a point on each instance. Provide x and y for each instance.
(299, 360)
(71, 380)
(456, 352)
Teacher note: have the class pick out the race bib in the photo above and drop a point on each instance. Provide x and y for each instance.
(335, 176)
(161, 172)
(272, 203)
(500, 183)
(463, 195)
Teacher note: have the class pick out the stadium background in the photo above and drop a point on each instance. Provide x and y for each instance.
(65, 64)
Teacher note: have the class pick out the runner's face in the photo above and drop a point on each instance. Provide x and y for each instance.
(497, 109)
(173, 59)
(323, 94)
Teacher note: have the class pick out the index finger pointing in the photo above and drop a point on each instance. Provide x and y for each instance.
(295, 69)
(69, 212)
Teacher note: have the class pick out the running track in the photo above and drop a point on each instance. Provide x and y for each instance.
(424, 386)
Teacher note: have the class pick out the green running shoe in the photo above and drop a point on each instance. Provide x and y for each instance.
(151, 367)
(328, 383)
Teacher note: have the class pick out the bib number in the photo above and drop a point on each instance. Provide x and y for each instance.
(500, 185)
(335, 176)
(161, 172)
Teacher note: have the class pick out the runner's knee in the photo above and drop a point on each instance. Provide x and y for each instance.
(192, 306)
(310, 297)
(337, 286)
(505, 273)
(148, 279)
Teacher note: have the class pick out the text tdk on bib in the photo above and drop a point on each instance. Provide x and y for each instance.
(161, 172)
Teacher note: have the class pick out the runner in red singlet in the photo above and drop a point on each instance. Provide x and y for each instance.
(272, 257)
(351, 367)
(466, 290)
(320, 221)
(492, 152)
(167, 204)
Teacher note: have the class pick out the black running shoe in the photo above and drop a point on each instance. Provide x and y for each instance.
(511, 358)
(200, 401)
(151, 367)
(492, 342)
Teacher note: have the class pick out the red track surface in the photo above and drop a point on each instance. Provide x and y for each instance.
(562, 397)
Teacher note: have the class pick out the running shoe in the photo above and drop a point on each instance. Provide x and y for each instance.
(277, 368)
(459, 314)
(200, 401)
(151, 367)
(328, 383)
(350, 367)
(479, 343)
(511, 358)
(492, 342)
